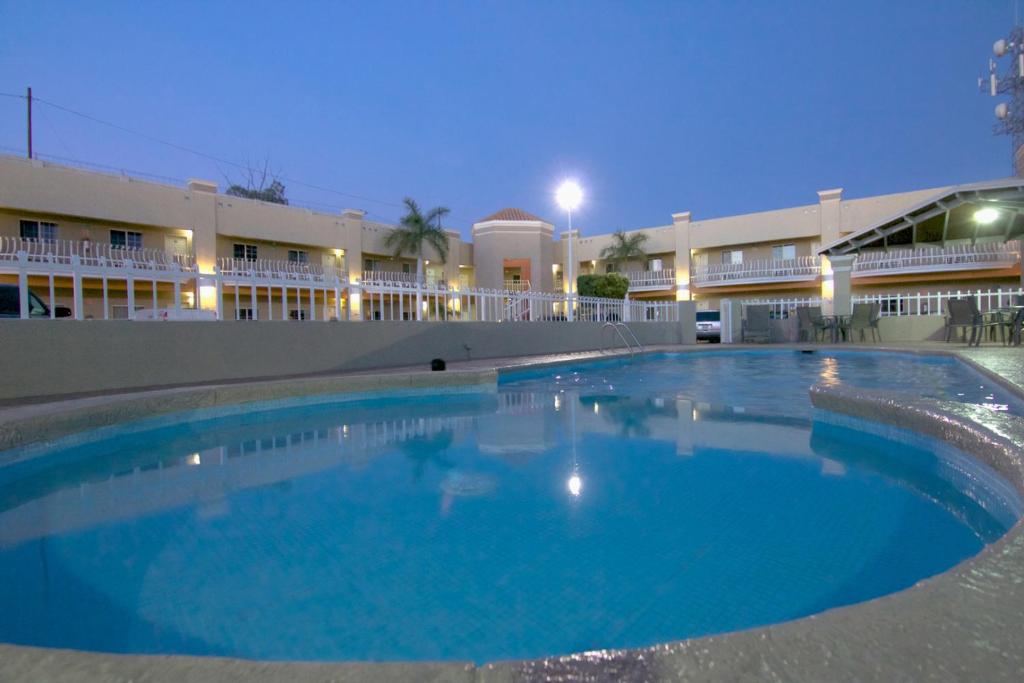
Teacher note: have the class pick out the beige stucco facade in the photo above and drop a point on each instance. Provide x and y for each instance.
(684, 256)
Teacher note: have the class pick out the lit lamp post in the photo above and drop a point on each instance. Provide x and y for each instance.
(569, 196)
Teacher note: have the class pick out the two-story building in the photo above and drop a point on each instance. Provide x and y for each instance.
(112, 246)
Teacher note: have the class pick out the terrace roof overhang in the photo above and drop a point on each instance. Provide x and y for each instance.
(948, 216)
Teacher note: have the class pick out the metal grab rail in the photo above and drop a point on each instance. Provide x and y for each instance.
(616, 326)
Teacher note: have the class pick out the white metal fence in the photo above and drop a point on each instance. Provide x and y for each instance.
(397, 302)
(781, 309)
(934, 303)
(99, 266)
(899, 304)
(277, 290)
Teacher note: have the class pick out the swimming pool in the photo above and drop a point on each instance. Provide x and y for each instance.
(611, 504)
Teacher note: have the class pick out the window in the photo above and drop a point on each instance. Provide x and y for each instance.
(734, 257)
(245, 252)
(406, 268)
(244, 314)
(297, 314)
(126, 239)
(655, 265)
(368, 265)
(611, 268)
(893, 306)
(38, 230)
(298, 256)
(782, 252)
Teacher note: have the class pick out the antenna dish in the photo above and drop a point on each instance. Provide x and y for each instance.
(999, 47)
(1002, 110)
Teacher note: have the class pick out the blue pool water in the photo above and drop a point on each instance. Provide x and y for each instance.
(614, 504)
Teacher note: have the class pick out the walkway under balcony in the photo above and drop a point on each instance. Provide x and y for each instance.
(800, 269)
(961, 257)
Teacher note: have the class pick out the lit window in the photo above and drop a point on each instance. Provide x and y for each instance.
(125, 239)
(245, 252)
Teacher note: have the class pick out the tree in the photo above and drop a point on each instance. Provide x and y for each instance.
(625, 248)
(416, 230)
(261, 184)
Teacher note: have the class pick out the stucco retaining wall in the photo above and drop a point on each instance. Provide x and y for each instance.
(44, 358)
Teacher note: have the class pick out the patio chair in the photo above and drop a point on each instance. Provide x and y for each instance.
(1011, 324)
(757, 326)
(963, 314)
(865, 317)
(812, 325)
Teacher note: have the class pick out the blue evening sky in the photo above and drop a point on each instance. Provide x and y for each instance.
(657, 107)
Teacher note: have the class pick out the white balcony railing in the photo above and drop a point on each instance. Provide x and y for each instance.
(275, 270)
(396, 278)
(389, 277)
(91, 254)
(923, 260)
(783, 270)
(64, 262)
(517, 285)
(640, 280)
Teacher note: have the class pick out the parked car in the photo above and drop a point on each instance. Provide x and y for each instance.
(709, 326)
(10, 306)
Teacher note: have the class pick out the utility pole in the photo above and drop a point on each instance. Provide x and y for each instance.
(29, 123)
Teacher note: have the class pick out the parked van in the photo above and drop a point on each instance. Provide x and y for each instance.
(10, 306)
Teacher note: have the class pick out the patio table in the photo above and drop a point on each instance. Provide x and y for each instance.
(835, 326)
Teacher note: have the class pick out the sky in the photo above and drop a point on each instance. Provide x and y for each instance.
(717, 108)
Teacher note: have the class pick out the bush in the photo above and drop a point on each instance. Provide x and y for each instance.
(610, 286)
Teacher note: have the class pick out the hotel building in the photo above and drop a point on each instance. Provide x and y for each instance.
(112, 246)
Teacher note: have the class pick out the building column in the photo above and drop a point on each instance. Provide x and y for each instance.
(353, 233)
(203, 196)
(829, 215)
(842, 294)
(681, 225)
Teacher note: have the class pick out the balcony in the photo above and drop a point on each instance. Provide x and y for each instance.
(273, 271)
(933, 260)
(387, 278)
(85, 256)
(800, 269)
(517, 285)
(650, 280)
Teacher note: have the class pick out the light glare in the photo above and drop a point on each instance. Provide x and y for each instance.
(986, 215)
(575, 485)
(569, 195)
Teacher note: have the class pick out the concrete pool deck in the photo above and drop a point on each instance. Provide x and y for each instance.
(964, 624)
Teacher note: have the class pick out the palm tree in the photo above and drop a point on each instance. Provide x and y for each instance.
(625, 248)
(415, 230)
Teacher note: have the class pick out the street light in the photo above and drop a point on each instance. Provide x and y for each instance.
(569, 196)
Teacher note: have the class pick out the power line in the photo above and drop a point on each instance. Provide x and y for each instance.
(210, 157)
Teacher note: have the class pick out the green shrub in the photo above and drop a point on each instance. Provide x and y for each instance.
(610, 286)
